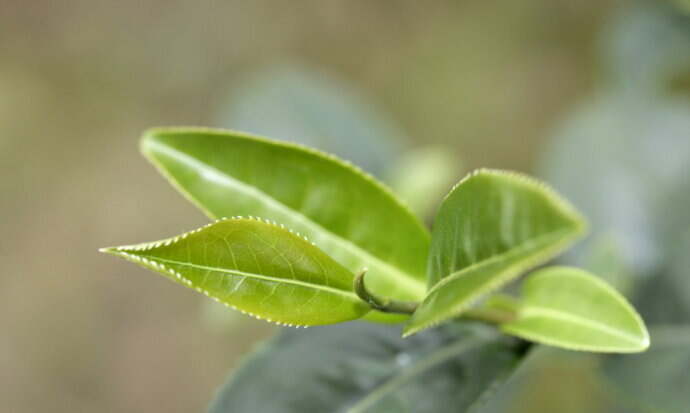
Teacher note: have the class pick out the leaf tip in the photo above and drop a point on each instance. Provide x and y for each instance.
(108, 250)
(409, 330)
(645, 340)
(148, 138)
(114, 251)
(157, 135)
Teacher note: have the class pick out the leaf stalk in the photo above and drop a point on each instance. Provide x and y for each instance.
(385, 305)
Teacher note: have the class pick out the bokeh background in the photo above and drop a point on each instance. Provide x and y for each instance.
(592, 95)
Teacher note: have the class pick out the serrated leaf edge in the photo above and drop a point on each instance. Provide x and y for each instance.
(507, 275)
(293, 145)
(552, 195)
(409, 279)
(125, 252)
(568, 209)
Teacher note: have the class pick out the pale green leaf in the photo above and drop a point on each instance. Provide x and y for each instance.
(492, 227)
(358, 368)
(256, 267)
(345, 212)
(570, 308)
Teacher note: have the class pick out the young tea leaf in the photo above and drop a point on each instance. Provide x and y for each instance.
(570, 308)
(492, 227)
(344, 211)
(258, 268)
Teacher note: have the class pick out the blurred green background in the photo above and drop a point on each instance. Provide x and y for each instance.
(591, 95)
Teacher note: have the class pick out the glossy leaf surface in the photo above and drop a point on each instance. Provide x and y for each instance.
(492, 227)
(345, 212)
(359, 367)
(258, 268)
(570, 308)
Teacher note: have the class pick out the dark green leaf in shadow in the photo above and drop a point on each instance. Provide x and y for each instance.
(658, 379)
(665, 297)
(358, 368)
(551, 380)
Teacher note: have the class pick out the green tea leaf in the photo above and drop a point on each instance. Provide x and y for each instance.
(570, 308)
(345, 212)
(492, 227)
(358, 367)
(256, 267)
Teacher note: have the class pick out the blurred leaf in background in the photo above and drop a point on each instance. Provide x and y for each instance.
(665, 298)
(658, 380)
(552, 380)
(423, 176)
(360, 368)
(683, 5)
(605, 259)
(621, 159)
(310, 107)
(622, 155)
(644, 48)
(302, 104)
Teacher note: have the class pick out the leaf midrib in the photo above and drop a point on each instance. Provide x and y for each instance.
(522, 248)
(408, 373)
(539, 311)
(405, 280)
(239, 273)
(505, 275)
